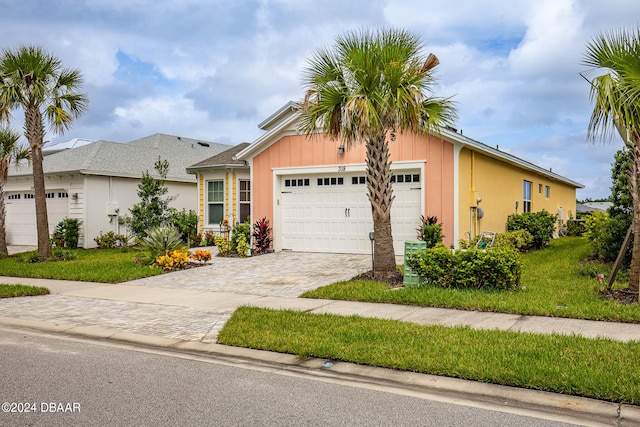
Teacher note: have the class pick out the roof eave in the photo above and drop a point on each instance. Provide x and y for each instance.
(454, 137)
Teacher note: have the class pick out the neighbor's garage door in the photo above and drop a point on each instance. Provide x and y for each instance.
(331, 213)
(21, 215)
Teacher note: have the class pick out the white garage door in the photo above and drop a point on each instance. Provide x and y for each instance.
(331, 213)
(21, 215)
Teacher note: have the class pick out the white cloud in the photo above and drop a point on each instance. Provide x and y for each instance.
(216, 69)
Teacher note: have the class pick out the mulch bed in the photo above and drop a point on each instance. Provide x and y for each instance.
(621, 296)
(394, 279)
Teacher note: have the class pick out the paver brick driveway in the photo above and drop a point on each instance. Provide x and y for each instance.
(286, 274)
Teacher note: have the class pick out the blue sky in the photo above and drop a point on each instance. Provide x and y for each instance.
(215, 69)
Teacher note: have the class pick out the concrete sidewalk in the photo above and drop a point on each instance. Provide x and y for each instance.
(161, 311)
(132, 307)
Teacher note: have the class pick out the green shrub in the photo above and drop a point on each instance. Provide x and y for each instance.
(541, 225)
(186, 222)
(493, 268)
(430, 231)
(61, 254)
(243, 229)
(31, 256)
(159, 241)
(521, 240)
(67, 233)
(222, 244)
(606, 234)
(242, 246)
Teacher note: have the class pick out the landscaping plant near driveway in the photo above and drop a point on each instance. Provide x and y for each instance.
(553, 283)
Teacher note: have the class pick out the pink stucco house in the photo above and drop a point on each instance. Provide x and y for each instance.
(314, 194)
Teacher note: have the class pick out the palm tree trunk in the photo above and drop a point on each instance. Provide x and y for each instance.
(3, 233)
(381, 198)
(634, 187)
(34, 130)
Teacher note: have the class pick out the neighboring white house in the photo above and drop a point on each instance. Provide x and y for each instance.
(97, 183)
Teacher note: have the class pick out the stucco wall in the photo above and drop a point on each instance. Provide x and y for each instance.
(107, 198)
(500, 185)
(92, 199)
(300, 151)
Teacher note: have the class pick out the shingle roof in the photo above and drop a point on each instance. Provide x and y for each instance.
(223, 159)
(130, 159)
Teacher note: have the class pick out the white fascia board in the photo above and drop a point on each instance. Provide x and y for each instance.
(455, 137)
(267, 139)
(288, 108)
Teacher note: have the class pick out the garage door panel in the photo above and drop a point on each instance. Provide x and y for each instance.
(21, 215)
(337, 218)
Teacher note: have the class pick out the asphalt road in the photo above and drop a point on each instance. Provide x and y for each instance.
(52, 380)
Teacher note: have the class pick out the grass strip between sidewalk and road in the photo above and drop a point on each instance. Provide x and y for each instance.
(556, 281)
(10, 291)
(597, 368)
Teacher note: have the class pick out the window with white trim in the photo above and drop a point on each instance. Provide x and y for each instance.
(526, 205)
(245, 199)
(215, 202)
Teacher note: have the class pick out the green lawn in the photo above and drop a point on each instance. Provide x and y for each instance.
(551, 286)
(90, 265)
(597, 368)
(10, 291)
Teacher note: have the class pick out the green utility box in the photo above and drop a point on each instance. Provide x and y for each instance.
(410, 247)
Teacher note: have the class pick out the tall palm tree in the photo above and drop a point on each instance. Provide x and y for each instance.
(368, 87)
(616, 97)
(36, 82)
(10, 152)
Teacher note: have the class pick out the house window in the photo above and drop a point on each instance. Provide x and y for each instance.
(245, 199)
(50, 195)
(539, 188)
(547, 190)
(14, 197)
(356, 180)
(29, 196)
(63, 195)
(215, 201)
(526, 205)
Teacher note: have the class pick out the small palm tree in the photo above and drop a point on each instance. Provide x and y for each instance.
(36, 82)
(369, 86)
(616, 99)
(10, 152)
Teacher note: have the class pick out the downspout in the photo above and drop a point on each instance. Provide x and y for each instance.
(472, 197)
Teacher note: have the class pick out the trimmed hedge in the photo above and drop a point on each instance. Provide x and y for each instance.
(541, 225)
(493, 268)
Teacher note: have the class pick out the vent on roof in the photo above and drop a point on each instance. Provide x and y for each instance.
(204, 144)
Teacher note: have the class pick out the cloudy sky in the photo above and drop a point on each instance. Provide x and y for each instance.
(213, 70)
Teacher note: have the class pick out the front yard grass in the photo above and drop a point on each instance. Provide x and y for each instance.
(596, 368)
(90, 265)
(10, 291)
(550, 286)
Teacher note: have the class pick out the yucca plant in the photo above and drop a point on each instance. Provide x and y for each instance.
(159, 241)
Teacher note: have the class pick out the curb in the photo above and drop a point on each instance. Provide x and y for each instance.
(590, 411)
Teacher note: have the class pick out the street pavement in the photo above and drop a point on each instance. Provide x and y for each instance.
(185, 310)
